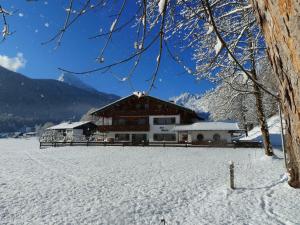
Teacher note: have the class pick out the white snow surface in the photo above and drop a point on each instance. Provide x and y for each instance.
(218, 47)
(136, 185)
(112, 27)
(208, 126)
(68, 125)
(274, 130)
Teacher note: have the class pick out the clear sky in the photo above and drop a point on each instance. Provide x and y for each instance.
(36, 22)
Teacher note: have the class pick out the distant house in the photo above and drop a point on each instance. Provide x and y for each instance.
(141, 118)
(68, 131)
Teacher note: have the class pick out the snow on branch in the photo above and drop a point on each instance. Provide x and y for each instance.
(161, 5)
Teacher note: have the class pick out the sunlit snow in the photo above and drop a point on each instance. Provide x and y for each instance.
(142, 185)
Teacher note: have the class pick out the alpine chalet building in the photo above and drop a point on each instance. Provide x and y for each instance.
(140, 118)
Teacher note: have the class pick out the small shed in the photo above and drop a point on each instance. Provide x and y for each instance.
(73, 131)
(203, 132)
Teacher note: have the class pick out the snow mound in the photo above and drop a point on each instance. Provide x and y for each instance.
(274, 129)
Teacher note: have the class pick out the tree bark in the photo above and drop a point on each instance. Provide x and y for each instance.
(280, 22)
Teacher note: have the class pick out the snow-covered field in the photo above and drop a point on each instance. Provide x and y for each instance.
(136, 185)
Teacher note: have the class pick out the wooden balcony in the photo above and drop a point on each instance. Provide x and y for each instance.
(139, 113)
(107, 128)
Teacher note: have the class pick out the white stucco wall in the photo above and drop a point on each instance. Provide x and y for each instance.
(160, 129)
(208, 135)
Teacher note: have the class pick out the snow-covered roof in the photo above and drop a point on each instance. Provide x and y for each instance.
(68, 125)
(208, 126)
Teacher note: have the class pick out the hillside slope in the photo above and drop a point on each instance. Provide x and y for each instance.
(74, 81)
(274, 129)
(26, 102)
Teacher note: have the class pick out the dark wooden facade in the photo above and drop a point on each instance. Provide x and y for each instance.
(87, 128)
(132, 113)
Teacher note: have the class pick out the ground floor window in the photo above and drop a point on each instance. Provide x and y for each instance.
(122, 137)
(139, 138)
(184, 137)
(200, 137)
(164, 137)
(216, 137)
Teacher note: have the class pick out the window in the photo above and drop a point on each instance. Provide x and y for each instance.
(119, 121)
(164, 121)
(169, 137)
(184, 137)
(200, 137)
(164, 137)
(216, 137)
(142, 121)
(158, 137)
(122, 137)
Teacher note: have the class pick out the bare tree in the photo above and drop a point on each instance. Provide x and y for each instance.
(227, 42)
(5, 28)
(233, 99)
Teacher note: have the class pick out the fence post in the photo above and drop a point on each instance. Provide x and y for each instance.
(231, 172)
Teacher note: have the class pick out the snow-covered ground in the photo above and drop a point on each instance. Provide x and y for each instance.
(136, 185)
(274, 130)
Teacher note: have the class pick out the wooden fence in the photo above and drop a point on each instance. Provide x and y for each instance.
(236, 144)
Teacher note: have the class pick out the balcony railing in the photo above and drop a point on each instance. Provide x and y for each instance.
(106, 128)
(139, 112)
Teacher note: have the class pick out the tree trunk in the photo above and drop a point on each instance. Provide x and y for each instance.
(262, 120)
(280, 22)
(258, 101)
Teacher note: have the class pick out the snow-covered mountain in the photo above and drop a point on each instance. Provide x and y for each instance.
(74, 81)
(195, 102)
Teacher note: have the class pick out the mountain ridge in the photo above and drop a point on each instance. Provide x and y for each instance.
(26, 102)
(195, 102)
(74, 81)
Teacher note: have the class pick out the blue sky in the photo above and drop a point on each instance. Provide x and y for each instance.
(36, 22)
